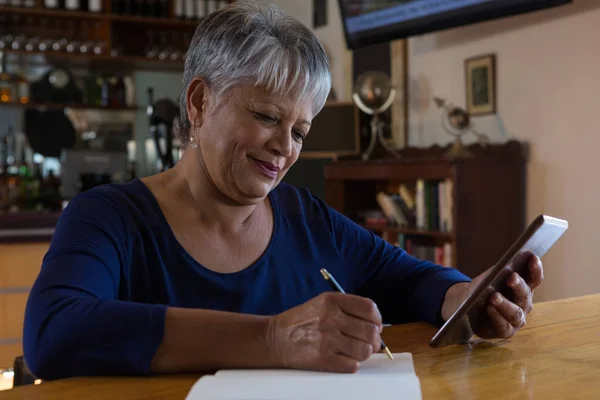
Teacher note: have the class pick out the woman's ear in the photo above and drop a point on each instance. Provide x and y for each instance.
(197, 95)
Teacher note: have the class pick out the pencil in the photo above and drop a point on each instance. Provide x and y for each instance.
(336, 286)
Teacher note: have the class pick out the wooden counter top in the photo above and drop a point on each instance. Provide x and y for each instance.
(24, 227)
(557, 355)
(20, 265)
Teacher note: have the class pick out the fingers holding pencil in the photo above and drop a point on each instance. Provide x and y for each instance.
(336, 287)
(320, 335)
(332, 332)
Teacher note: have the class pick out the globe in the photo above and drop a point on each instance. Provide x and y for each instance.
(373, 88)
(374, 94)
(457, 122)
(459, 119)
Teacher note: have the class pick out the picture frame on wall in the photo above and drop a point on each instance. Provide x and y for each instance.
(480, 82)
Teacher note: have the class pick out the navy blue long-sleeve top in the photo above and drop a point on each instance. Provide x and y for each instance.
(114, 266)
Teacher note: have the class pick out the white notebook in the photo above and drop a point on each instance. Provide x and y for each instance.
(378, 377)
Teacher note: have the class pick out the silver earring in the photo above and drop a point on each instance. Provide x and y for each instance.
(193, 143)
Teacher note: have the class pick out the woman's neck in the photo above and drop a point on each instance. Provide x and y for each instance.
(210, 206)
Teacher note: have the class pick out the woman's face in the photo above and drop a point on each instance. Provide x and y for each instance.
(248, 142)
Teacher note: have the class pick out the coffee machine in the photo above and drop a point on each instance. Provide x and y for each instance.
(161, 115)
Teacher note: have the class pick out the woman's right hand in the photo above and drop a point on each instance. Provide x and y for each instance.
(332, 332)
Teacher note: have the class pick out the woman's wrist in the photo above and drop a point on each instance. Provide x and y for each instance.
(455, 295)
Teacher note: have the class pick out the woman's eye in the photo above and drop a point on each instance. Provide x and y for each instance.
(299, 135)
(265, 118)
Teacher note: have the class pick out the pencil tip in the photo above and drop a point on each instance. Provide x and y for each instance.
(324, 273)
(389, 353)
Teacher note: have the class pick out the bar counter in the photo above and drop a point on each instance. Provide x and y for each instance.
(555, 356)
(27, 227)
(24, 240)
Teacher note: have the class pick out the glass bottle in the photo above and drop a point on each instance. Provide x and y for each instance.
(189, 10)
(119, 92)
(24, 197)
(12, 170)
(104, 91)
(3, 173)
(72, 5)
(7, 91)
(51, 4)
(95, 6)
(200, 9)
(98, 90)
(22, 86)
(178, 9)
(37, 183)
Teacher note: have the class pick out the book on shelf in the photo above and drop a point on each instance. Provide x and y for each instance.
(418, 212)
(427, 206)
(440, 254)
(434, 205)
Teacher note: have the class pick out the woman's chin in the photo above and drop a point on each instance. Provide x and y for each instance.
(256, 189)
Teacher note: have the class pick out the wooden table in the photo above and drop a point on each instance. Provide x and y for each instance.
(556, 356)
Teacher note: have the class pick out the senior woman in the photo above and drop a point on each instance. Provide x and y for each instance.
(215, 263)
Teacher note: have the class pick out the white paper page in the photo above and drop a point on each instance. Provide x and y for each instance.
(378, 377)
(378, 363)
(212, 387)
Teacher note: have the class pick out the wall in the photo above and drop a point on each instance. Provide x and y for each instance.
(548, 89)
(331, 36)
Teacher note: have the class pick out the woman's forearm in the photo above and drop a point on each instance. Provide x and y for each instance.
(453, 299)
(205, 340)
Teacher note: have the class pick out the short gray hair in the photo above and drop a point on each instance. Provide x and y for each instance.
(257, 43)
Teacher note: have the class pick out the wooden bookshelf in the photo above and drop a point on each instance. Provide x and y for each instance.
(383, 228)
(486, 198)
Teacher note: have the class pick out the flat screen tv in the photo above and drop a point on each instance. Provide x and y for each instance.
(368, 22)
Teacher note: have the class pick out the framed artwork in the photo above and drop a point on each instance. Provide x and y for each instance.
(480, 79)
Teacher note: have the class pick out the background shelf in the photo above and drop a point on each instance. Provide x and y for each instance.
(126, 39)
(446, 236)
(98, 62)
(44, 12)
(54, 106)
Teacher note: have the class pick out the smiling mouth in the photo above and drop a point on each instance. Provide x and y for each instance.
(266, 164)
(266, 168)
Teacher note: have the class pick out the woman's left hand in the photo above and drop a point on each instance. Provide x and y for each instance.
(506, 316)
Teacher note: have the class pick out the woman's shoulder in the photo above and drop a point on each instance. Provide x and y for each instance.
(294, 201)
(110, 204)
(301, 204)
(109, 195)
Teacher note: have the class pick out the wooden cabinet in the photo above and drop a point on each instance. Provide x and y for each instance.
(20, 264)
(487, 199)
